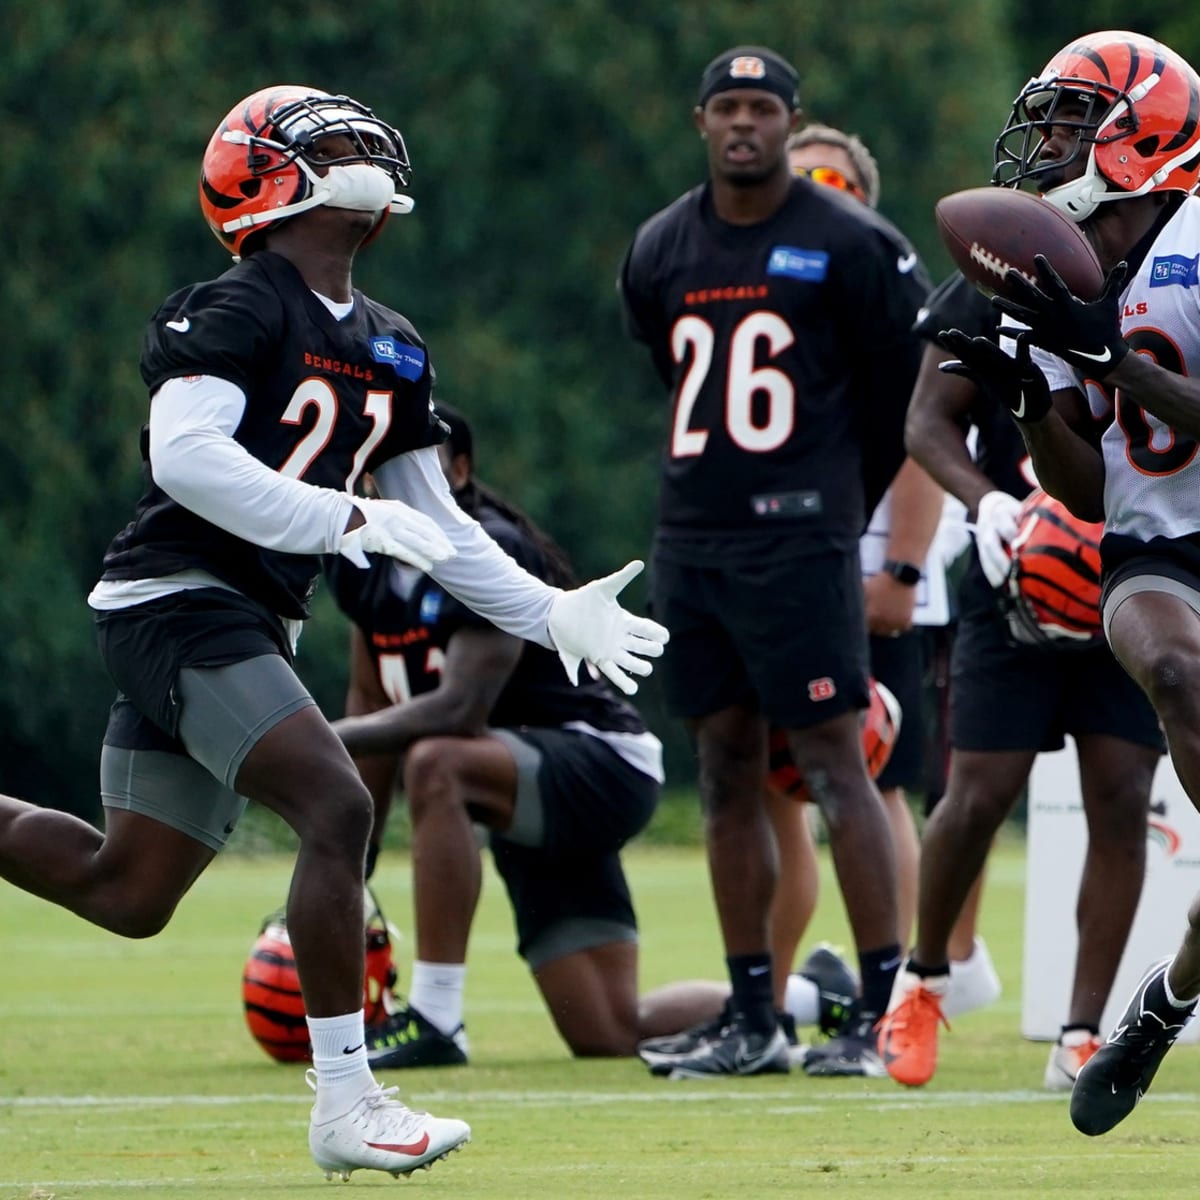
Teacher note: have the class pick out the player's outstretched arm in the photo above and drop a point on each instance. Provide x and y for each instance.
(588, 624)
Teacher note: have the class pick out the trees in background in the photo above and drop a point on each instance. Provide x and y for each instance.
(540, 133)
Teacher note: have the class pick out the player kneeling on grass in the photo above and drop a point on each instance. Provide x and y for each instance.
(482, 728)
(272, 388)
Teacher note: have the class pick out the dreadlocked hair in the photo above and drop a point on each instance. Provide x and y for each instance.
(474, 496)
(559, 572)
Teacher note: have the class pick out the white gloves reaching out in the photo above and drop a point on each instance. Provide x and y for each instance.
(587, 624)
(995, 528)
(397, 530)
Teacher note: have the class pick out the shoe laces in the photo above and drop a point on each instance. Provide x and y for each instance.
(919, 1009)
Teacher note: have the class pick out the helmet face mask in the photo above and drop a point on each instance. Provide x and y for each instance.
(269, 160)
(1136, 107)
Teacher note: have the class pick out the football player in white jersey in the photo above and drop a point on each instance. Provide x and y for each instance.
(1110, 133)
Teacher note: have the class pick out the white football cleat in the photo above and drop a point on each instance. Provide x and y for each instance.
(380, 1133)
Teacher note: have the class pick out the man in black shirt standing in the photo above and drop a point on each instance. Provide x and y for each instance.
(778, 313)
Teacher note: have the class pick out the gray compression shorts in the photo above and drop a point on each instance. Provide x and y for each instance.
(223, 712)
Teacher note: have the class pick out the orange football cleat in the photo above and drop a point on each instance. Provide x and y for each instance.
(908, 1036)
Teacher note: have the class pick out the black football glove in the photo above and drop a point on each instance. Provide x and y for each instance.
(1012, 381)
(1084, 333)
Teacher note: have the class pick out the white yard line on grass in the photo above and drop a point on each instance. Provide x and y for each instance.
(776, 1100)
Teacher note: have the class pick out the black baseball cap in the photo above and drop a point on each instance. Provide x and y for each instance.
(750, 67)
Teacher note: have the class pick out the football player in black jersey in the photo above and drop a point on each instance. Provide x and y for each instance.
(272, 389)
(778, 313)
(1009, 702)
(487, 729)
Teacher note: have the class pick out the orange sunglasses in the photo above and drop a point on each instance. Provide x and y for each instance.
(831, 177)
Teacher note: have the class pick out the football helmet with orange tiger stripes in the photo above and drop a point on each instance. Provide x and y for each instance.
(880, 723)
(1052, 594)
(263, 163)
(271, 996)
(1136, 106)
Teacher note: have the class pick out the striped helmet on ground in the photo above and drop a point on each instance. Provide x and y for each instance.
(1052, 594)
(880, 722)
(271, 997)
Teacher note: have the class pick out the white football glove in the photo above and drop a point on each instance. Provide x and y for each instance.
(397, 530)
(995, 528)
(588, 624)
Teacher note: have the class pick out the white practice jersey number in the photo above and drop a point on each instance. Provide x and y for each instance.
(318, 396)
(758, 336)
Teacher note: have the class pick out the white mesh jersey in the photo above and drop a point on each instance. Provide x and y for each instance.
(1151, 471)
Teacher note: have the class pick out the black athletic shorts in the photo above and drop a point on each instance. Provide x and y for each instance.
(144, 648)
(785, 636)
(578, 803)
(1005, 696)
(899, 664)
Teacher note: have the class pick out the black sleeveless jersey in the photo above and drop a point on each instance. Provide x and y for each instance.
(325, 401)
(1000, 452)
(788, 350)
(407, 636)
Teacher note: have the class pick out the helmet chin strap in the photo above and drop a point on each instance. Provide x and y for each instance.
(359, 187)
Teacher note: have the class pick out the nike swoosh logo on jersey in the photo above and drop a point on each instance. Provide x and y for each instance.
(1096, 358)
(1019, 411)
(906, 263)
(180, 326)
(922, 313)
(413, 1148)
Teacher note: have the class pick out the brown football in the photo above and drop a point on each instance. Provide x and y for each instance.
(989, 229)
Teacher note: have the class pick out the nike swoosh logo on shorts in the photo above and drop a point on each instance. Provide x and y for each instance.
(180, 326)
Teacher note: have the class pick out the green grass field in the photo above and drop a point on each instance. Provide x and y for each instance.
(126, 1071)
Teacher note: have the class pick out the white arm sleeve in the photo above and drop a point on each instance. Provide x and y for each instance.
(195, 460)
(481, 574)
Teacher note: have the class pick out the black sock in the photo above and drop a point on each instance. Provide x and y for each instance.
(923, 972)
(753, 1000)
(878, 970)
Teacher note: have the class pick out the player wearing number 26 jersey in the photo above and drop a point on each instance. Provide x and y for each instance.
(788, 351)
(778, 313)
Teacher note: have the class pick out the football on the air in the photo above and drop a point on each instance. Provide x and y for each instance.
(988, 230)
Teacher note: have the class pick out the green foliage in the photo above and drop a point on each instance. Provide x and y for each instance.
(542, 133)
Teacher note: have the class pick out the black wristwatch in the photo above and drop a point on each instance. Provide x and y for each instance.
(906, 573)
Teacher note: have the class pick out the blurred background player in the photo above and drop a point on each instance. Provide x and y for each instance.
(1010, 701)
(778, 314)
(486, 729)
(903, 583)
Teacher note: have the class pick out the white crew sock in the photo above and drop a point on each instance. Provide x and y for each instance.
(802, 999)
(973, 983)
(340, 1059)
(436, 992)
